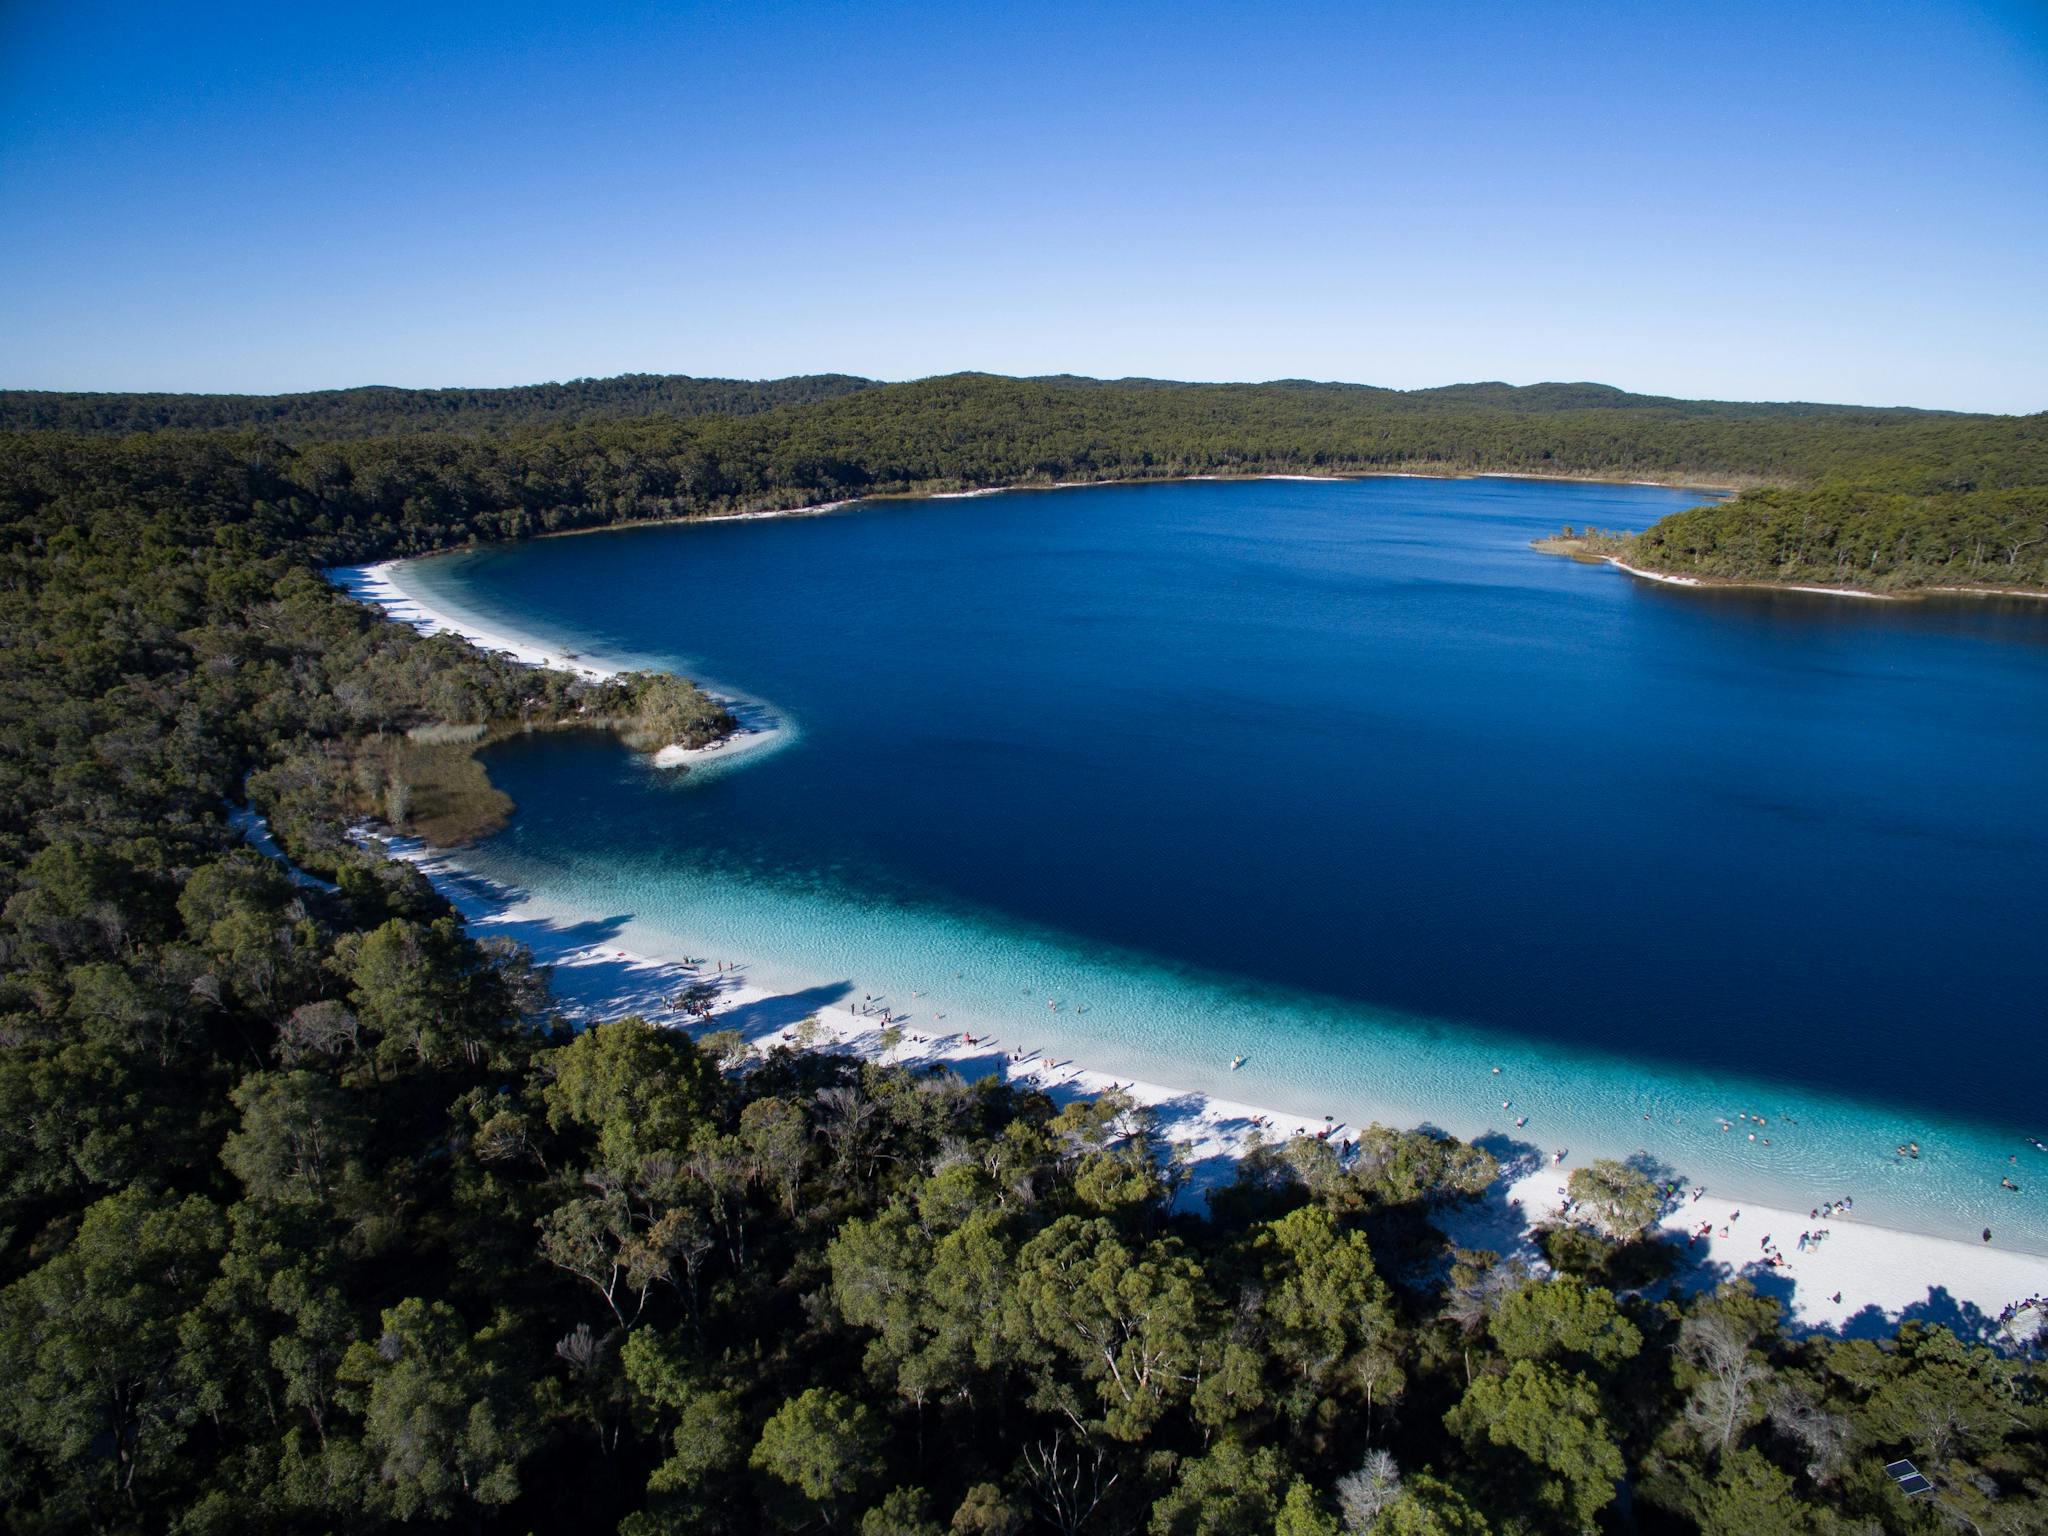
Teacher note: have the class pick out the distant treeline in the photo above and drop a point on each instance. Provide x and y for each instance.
(382, 411)
(1964, 490)
(379, 411)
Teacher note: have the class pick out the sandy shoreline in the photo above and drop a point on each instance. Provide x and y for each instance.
(1778, 586)
(377, 585)
(820, 508)
(1881, 1274)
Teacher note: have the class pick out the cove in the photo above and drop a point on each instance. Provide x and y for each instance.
(1342, 777)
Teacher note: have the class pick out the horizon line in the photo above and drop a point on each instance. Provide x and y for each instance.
(1282, 381)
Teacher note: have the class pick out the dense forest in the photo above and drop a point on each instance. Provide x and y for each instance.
(317, 1218)
(1888, 497)
(1861, 535)
(375, 411)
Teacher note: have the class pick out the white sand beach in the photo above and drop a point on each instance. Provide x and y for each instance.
(1695, 581)
(1859, 1278)
(1669, 581)
(380, 586)
(1858, 592)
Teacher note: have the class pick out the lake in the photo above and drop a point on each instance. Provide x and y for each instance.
(1343, 777)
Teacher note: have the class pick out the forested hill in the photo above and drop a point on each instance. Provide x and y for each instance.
(378, 411)
(1866, 497)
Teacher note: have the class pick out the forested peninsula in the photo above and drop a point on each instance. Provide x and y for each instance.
(317, 1216)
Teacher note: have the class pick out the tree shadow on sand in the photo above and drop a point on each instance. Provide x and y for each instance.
(1940, 1307)
(766, 1016)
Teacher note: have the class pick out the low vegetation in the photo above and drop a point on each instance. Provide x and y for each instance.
(663, 711)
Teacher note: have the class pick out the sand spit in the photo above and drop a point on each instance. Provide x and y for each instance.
(381, 586)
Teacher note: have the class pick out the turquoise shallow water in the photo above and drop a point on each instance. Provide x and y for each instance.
(1344, 778)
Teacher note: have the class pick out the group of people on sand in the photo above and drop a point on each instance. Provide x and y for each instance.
(1733, 1216)
(2034, 1303)
(1773, 1258)
(874, 1006)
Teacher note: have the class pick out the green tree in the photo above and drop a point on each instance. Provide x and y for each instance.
(925, 1300)
(1229, 1492)
(443, 1423)
(1325, 1307)
(708, 1438)
(822, 1444)
(426, 994)
(91, 1343)
(1123, 1181)
(75, 1120)
(1302, 1514)
(244, 914)
(1414, 1167)
(633, 1089)
(902, 1512)
(987, 1511)
(1746, 1495)
(1564, 1320)
(298, 1135)
(673, 710)
(1428, 1506)
(1553, 1423)
(604, 1242)
(777, 1142)
(1134, 1325)
(1617, 1200)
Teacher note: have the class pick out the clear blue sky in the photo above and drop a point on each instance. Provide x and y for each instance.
(1744, 200)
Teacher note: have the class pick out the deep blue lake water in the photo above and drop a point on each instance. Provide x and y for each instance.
(1345, 776)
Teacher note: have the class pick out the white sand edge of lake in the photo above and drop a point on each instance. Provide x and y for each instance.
(379, 586)
(1881, 1274)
